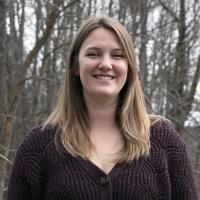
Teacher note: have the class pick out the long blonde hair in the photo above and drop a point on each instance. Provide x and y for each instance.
(70, 114)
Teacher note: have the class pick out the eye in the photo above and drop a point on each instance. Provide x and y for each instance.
(92, 54)
(118, 55)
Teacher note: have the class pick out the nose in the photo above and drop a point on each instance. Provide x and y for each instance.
(105, 63)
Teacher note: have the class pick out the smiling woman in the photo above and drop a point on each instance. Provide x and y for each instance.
(99, 142)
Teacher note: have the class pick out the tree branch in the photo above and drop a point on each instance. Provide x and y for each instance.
(195, 81)
(6, 159)
(169, 10)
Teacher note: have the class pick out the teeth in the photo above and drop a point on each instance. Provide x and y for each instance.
(104, 77)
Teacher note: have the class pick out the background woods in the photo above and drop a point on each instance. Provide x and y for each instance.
(34, 41)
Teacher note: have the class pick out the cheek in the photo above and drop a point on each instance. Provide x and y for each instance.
(87, 67)
(124, 75)
(84, 73)
(123, 70)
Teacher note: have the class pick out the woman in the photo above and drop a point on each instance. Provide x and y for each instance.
(99, 142)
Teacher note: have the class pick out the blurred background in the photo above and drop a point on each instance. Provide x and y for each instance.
(34, 40)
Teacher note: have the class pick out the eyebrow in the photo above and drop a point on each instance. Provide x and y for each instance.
(92, 48)
(97, 48)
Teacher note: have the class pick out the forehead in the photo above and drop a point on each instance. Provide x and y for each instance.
(101, 36)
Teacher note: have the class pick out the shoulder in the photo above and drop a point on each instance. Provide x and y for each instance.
(31, 153)
(165, 134)
(30, 164)
(168, 145)
(37, 139)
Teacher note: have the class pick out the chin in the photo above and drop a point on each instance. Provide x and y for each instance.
(106, 94)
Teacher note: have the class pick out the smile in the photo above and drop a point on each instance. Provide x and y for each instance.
(103, 77)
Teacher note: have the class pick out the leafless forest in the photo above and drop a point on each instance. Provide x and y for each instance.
(34, 40)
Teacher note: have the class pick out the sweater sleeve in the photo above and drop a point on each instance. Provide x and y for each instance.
(183, 186)
(18, 187)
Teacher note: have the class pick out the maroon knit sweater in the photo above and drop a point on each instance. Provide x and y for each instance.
(41, 173)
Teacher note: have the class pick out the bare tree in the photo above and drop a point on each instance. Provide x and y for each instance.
(15, 99)
(179, 102)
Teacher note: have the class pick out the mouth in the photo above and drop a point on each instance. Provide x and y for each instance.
(104, 77)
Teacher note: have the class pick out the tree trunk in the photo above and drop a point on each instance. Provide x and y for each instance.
(176, 93)
(3, 86)
(143, 43)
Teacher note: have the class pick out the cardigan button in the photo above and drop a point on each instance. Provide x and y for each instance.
(104, 180)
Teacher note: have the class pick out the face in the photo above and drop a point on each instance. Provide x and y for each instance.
(102, 64)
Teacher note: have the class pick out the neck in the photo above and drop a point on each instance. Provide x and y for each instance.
(104, 131)
(101, 112)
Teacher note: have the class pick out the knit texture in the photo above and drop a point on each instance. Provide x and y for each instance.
(41, 173)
